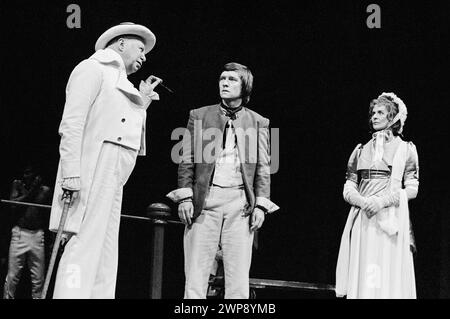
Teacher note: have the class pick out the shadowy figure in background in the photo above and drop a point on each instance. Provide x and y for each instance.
(5, 227)
(27, 234)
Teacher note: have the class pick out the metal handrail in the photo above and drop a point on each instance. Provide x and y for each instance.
(12, 202)
(25, 204)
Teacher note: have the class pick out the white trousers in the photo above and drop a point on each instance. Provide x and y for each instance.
(221, 221)
(26, 247)
(88, 266)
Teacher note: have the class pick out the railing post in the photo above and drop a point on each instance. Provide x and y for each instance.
(158, 214)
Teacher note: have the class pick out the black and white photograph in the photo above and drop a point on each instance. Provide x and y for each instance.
(242, 152)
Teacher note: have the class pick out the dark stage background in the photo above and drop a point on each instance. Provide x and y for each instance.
(316, 66)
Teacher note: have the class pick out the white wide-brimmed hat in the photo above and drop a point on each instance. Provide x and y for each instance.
(127, 28)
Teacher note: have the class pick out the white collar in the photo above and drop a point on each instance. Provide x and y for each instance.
(109, 56)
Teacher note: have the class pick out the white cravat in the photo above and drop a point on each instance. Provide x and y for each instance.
(379, 139)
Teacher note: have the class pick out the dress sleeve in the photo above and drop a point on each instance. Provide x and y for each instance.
(411, 174)
(352, 173)
(350, 192)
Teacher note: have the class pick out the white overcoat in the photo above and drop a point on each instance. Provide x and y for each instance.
(101, 105)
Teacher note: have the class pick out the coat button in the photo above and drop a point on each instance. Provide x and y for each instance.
(123, 120)
(119, 139)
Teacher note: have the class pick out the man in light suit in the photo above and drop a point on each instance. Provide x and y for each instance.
(102, 132)
(223, 195)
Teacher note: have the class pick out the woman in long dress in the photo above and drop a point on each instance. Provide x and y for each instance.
(376, 252)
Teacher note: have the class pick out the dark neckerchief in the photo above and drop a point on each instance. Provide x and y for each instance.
(231, 112)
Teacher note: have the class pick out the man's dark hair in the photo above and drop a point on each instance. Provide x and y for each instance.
(30, 168)
(246, 77)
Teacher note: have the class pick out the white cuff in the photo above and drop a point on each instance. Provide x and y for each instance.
(147, 99)
(180, 193)
(71, 184)
(154, 96)
(267, 204)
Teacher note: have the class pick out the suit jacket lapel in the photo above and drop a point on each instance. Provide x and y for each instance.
(242, 125)
(220, 121)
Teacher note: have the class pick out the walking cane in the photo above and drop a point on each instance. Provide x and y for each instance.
(67, 196)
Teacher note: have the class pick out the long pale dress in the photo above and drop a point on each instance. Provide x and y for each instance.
(375, 259)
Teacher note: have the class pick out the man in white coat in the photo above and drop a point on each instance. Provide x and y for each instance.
(102, 132)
